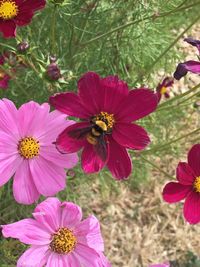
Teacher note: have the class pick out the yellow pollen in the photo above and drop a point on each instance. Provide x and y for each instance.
(8, 9)
(29, 148)
(196, 184)
(63, 241)
(163, 90)
(107, 118)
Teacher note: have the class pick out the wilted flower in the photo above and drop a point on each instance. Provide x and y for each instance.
(107, 109)
(191, 65)
(187, 187)
(163, 88)
(27, 151)
(59, 237)
(4, 77)
(15, 13)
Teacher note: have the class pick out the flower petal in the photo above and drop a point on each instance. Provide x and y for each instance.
(33, 118)
(67, 144)
(90, 160)
(87, 256)
(194, 159)
(24, 189)
(48, 214)
(8, 28)
(130, 136)
(183, 68)
(36, 256)
(8, 167)
(50, 153)
(91, 92)
(138, 104)
(48, 177)
(191, 208)
(71, 214)
(119, 162)
(56, 260)
(174, 192)
(9, 118)
(114, 91)
(28, 231)
(184, 173)
(70, 104)
(89, 233)
(193, 42)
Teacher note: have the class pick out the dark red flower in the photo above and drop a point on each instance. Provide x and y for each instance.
(187, 187)
(107, 109)
(163, 88)
(190, 65)
(4, 77)
(15, 13)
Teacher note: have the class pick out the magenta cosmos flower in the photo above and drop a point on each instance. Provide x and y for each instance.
(187, 187)
(58, 237)
(107, 109)
(191, 65)
(15, 13)
(163, 88)
(27, 152)
(4, 77)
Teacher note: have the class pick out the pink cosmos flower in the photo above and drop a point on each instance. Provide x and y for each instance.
(160, 265)
(107, 109)
(58, 237)
(15, 13)
(187, 187)
(27, 150)
(4, 78)
(163, 88)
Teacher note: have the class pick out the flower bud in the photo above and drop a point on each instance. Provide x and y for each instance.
(23, 46)
(53, 71)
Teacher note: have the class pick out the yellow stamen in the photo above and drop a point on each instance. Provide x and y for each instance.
(196, 184)
(8, 9)
(163, 90)
(107, 118)
(64, 241)
(28, 148)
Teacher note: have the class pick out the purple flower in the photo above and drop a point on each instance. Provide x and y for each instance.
(191, 65)
(163, 88)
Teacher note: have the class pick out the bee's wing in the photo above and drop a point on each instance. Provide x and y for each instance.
(79, 133)
(101, 148)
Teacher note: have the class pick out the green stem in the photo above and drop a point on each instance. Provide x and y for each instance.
(119, 28)
(53, 31)
(160, 147)
(179, 96)
(156, 167)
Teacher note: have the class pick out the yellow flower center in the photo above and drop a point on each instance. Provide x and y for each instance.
(104, 118)
(196, 184)
(8, 9)
(163, 90)
(29, 148)
(63, 241)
